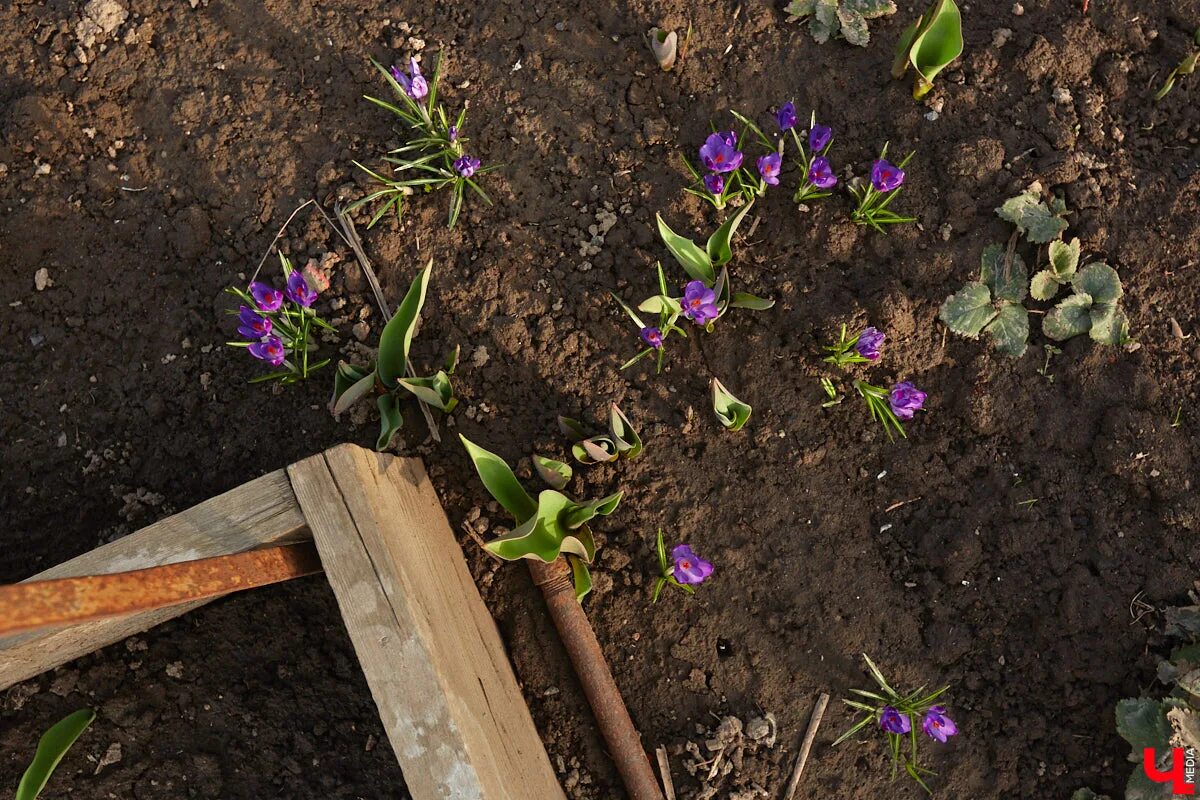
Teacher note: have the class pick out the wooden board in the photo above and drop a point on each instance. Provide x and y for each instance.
(431, 653)
(261, 512)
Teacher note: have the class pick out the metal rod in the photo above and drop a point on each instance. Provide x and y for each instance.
(68, 601)
(612, 717)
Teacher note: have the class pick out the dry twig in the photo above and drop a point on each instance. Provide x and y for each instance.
(814, 722)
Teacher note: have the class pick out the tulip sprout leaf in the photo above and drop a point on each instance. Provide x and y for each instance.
(827, 18)
(1186, 67)
(628, 443)
(396, 340)
(718, 248)
(51, 748)
(350, 384)
(694, 260)
(732, 413)
(553, 526)
(930, 45)
(390, 420)
(555, 473)
(595, 450)
(1037, 221)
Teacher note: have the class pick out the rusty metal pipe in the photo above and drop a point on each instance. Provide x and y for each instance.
(69, 601)
(624, 742)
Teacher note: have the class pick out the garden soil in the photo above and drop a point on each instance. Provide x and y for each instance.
(1018, 545)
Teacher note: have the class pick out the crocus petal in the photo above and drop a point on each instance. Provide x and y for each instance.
(886, 176)
(895, 722)
(906, 400)
(769, 166)
(268, 298)
(689, 567)
(714, 183)
(819, 138)
(820, 173)
(298, 290)
(785, 117)
(868, 344)
(652, 336)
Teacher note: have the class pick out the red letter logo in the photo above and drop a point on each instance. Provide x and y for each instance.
(1177, 776)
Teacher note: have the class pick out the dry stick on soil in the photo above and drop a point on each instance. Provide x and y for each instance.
(309, 202)
(814, 722)
(351, 237)
(664, 769)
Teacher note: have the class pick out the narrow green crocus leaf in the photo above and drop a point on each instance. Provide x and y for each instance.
(689, 255)
(720, 245)
(732, 413)
(555, 473)
(396, 340)
(51, 748)
(390, 420)
(629, 311)
(500, 481)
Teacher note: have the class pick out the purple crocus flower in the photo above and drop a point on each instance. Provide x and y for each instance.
(269, 350)
(268, 297)
(699, 303)
(452, 133)
(893, 721)
(298, 290)
(253, 326)
(820, 173)
(785, 117)
(466, 166)
(906, 400)
(415, 87)
(689, 567)
(769, 166)
(714, 183)
(719, 153)
(819, 137)
(886, 176)
(937, 725)
(652, 336)
(868, 344)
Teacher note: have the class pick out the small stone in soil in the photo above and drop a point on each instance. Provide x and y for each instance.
(41, 280)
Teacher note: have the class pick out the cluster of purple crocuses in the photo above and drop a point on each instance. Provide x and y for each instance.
(935, 723)
(818, 172)
(260, 323)
(699, 304)
(904, 398)
(416, 87)
(720, 156)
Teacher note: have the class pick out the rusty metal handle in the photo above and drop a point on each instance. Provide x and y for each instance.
(612, 717)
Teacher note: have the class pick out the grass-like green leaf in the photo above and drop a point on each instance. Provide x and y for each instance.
(396, 340)
(969, 310)
(1071, 317)
(1037, 221)
(500, 482)
(694, 260)
(732, 412)
(747, 300)
(51, 748)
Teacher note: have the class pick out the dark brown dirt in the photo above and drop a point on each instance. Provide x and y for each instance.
(190, 134)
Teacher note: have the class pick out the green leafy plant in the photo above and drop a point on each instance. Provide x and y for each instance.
(621, 441)
(929, 45)
(731, 412)
(1038, 221)
(550, 527)
(1064, 260)
(434, 155)
(1093, 307)
(897, 717)
(51, 748)
(1186, 67)
(848, 18)
(391, 376)
(888, 407)
(993, 303)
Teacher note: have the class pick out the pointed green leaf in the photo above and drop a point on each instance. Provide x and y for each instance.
(356, 392)
(732, 413)
(555, 473)
(628, 443)
(1043, 286)
(937, 45)
(436, 391)
(968, 310)
(1007, 279)
(581, 577)
(451, 363)
(390, 420)
(1010, 330)
(689, 255)
(747, 300)
(577, 514)
(578, 542)
(51, 748)
(572, 429)
(1033, 218)
(396, 339)
(500, 481)
(1143, 723)
(632, 314)
(1109, 324)
(1100, 281)
(660, 304)
(1064, 259)
(1069, 318)
(720, 245)
(532, 539)
(344, 380)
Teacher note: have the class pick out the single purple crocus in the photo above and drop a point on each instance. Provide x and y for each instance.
(785, 117)
(699, 303)
(906, 400)
(886, 176)
(893, 721)
(769, 166)
(937, 725)
(253, 326)
(652, 336)
(268, 297)
(689, 567)
(714, 183)
(415, 87)
(452, 133)
(269, 350)
(466, 166)
(820, 173)
(719, 153)
(819, 137)
(298, 290)
(868, 344)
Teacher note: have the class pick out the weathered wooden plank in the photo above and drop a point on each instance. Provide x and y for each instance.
(261, 512)
(431, 653)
